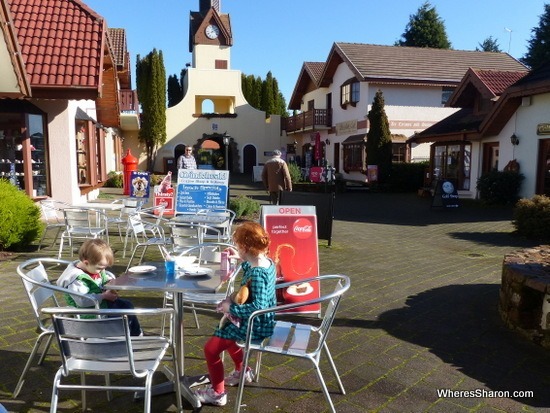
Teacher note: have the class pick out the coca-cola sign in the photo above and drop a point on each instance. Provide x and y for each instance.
(302, 228)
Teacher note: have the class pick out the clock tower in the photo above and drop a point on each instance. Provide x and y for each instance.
(210, 37)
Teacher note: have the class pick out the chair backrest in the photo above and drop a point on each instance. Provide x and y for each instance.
(208, 252)
(136, 224)
(52, 211)
(105, 338)
(332, 300)
(39, 288)
(185, 235)
(225, 226)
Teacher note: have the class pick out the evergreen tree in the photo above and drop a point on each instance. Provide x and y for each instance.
(538, 49)
(425, 29)
(175, 93)
(379, 146)
(489, 45)
(267, 101)
(151, 89)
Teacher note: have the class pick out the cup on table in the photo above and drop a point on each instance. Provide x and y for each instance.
(170, 267)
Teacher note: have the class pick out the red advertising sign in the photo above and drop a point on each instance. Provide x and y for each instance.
(316, 174)
(165, 199)
(294, 249)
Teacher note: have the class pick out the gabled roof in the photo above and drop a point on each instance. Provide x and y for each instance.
(121, 56)
(409, 65)
(63, 44)
(222, 20)
(534, 83)
(13, 82)
(487, 83)
(308, 80)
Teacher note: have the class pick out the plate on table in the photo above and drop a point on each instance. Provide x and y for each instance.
(142, 269)
(300, 289)
(196, 271)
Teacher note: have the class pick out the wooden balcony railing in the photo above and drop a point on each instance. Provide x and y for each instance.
(309, 120)
(129, 101)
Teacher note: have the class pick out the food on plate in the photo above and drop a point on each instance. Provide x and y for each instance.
(302, 288)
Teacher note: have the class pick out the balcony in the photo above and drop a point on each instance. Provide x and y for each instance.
(314, 119)
(128, 101)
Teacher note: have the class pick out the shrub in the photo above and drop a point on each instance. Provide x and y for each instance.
(532, 217)
(114, 180)
(499, 187)
(295, 172)
(20, 222)
(244, 206)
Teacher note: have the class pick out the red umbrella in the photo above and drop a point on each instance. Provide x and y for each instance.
(318, 154)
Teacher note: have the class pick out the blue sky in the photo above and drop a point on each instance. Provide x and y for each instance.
(278, 36)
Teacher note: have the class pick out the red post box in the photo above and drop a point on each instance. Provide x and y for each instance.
(130, 165)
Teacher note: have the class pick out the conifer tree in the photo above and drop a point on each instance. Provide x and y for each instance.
(489, 45)
(267, 102)
(538, 49)
(151, 89)
(379, 146)
(425, 29)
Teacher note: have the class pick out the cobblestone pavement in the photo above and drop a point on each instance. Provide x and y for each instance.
(421, 318)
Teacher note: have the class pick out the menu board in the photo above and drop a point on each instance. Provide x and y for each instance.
(201, 189)
(294, 249)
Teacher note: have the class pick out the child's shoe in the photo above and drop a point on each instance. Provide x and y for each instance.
(233, 378)
(209, 396)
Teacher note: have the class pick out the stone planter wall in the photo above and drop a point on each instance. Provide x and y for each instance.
(524, 302)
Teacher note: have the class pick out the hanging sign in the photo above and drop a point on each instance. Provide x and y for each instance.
(294, 250)
(201, 189)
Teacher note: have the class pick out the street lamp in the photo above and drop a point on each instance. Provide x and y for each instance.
(226, 144)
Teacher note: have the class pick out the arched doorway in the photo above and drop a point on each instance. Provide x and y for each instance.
(249, 159)
(178, 151)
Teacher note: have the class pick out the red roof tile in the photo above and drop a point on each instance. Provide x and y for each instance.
(61, 42)
(497, 81)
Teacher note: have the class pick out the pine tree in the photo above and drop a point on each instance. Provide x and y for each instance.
(151, 89)
(379, 146)
(267, 102)
(175, 92)
(538, 49)
(425, 29)
(489, 45)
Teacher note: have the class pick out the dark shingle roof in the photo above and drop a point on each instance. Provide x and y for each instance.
(61, 42)
(315, 69)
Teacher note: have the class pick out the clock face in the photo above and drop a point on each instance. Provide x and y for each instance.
(212, 31)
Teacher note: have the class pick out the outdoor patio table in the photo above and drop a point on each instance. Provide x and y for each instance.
(155, 280)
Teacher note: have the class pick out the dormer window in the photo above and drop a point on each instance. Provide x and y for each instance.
(349, 93)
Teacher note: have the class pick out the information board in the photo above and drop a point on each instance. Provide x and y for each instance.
(293, 234)
(201, 189)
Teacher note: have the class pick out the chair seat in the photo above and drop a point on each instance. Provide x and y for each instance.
(86, 231)
(204, 298)
(288, 338)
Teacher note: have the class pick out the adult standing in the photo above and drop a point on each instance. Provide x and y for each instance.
(276, 177)
(187, 160)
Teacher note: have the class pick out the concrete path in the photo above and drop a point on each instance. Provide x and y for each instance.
(419, 323)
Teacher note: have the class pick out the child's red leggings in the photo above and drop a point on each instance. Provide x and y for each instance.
(212, 350)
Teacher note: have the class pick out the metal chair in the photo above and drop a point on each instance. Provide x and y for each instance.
(300, 340)
(52, 213)
(82, 224)
(41, 293)
(144, 237)
(186, 235)
(225, 228)
(103, 345)
(129, 206)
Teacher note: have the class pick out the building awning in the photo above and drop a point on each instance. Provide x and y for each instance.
(398, 138)
(360, 138)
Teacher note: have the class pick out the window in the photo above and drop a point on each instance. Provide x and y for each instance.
(399, 152)
(453, 162)
(446, 94)
(349, 93)
(23, 154)
(355, 157)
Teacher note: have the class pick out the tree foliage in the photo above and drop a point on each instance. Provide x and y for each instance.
(151, 89)
(538, 48)
(264, 94)
(379, 146)
(425, 29)
(489, 45)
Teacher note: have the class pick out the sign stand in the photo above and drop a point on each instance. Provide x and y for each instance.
(445, 195)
